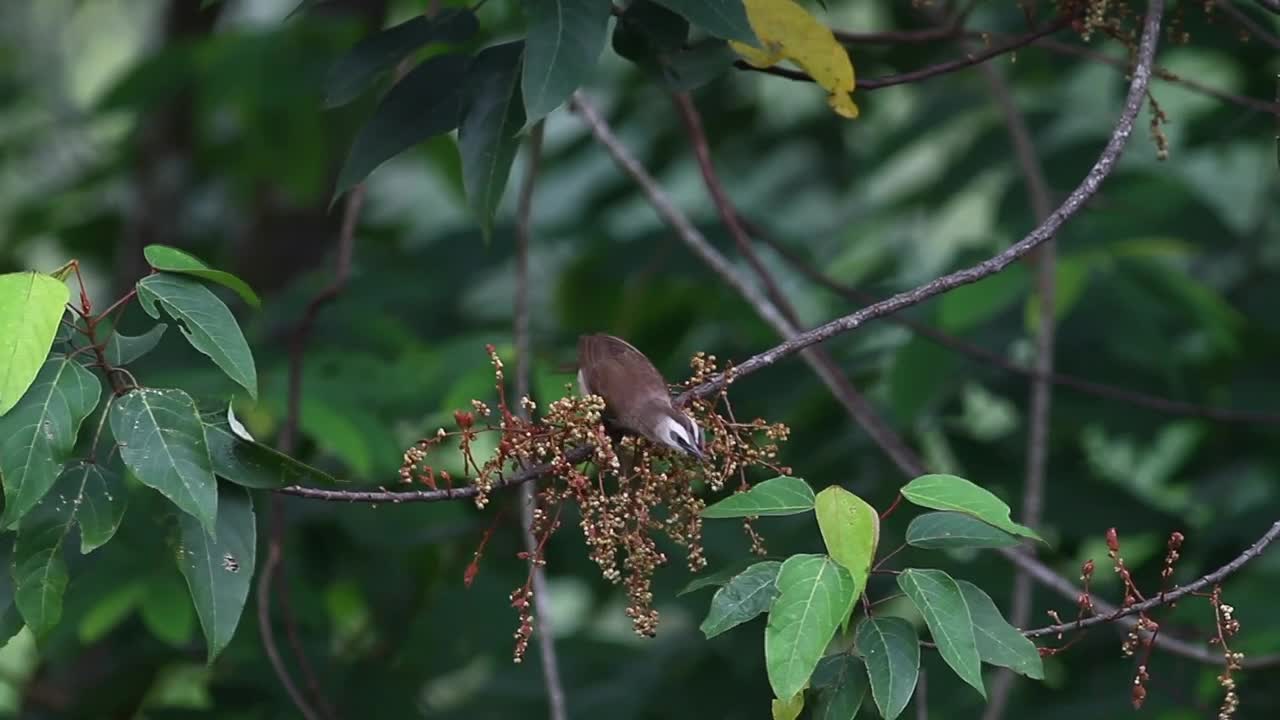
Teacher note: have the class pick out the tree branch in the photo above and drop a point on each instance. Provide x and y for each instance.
(528, 491)
(869, 84)
(1045, 230)
(1250, 25)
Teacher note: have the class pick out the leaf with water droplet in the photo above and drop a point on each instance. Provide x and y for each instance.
(218, 571)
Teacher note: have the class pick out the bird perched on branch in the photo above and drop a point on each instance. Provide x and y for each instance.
(635, 395)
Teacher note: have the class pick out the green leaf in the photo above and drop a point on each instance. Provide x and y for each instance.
(425, 103)
(942, 530)
(218, 571)
(355, 71)
(999, 643)
(841, 697)
(788, 709)
(948, 492)
(717, 578)
(31, 307)
(814, 596)
(163, 444)
(110, 610)
(562, 48)
(125, 349)
(748, 594)
(779, 496)
(103, 500)
(694, 67)
(653, 38)
(255, 465)
(166, 609)
(39, 570)
(1071, 277)
(206, 322)
(723, 18)
(851, 530)
(167, 259)
(891, 651)
(38, 437)
(491, 121)
(938, 598)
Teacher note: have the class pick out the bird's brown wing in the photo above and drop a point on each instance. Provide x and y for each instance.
(610, 366)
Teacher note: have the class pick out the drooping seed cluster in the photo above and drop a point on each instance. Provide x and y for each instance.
(630, 494)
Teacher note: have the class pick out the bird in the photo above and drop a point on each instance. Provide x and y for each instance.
(635, 395)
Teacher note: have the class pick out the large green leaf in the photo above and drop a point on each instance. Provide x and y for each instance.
(723, 18)
(84, 495)
(653, 38)
(39, 435)
(814, 595)
(748, 594)
(218, 571)
(842, 694)
(779, 496)
(167, 259)
(166, 609)
(371, 57)
(948, 492)
(31, 307)
(491, 122)
(163, 444)
(254, 465)
(851, 530)
(940, 530)
(891, 651)
(563, 45)
(938, 598)
(717, 578)
(999, 643)
(425, 103)
(206, 322)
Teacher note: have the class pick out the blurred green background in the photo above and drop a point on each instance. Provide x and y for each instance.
(130, 122)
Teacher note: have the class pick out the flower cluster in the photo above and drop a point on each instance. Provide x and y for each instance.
(629, 494)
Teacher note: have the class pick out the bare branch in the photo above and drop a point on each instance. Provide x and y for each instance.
(1271, 5)
(1250, 25)
(1039, 415)
(528, 491)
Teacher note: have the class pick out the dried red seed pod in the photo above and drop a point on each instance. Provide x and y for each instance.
(1086, 570)
(1113, 541)
(464, 419)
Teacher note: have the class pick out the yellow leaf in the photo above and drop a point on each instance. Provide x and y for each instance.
(788, 709)
(788, 32)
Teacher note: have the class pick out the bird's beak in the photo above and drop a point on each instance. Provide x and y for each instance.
(698, 453)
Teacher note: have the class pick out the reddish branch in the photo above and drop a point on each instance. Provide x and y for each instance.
(1166, 598)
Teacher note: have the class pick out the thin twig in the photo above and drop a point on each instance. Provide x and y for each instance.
(528, 492)
(858, 407)
(1271, 5)
(1039, 414)
(981, 354)
(1111, 614)
(868, 84)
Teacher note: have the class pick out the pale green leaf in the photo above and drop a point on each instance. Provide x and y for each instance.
(779, 496)
(788, 709)
(166, 609)
(999, 643)
(891, 651)
(941, 530)
(814, 595)
(206, 322)
(39, 435)
(851, 531)
(31, 307)
(218, 572)
(938, 598)
(745, 596)
(948, 492)
(163, 444)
